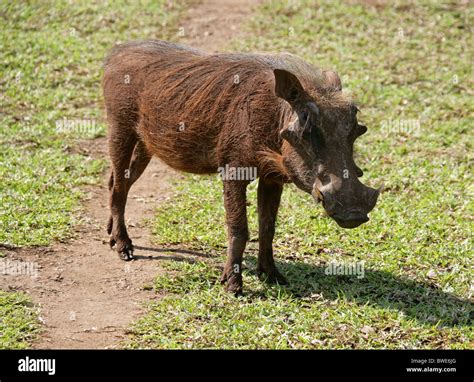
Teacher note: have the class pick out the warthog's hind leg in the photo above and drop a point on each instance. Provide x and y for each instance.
(140, 159)
(123, 143)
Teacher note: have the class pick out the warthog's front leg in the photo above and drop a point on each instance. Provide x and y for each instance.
(238, 234)
(269, 194)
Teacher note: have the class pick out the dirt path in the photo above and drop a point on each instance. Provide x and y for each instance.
(87, 296)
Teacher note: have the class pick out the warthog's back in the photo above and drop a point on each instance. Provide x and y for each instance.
(192, 109)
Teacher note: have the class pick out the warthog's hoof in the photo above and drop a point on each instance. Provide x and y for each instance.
(233, 283)
(126, 253)
(271, 276)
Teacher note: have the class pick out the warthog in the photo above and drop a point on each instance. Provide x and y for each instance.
(201, 113)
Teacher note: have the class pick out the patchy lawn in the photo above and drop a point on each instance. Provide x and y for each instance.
(18, 321)
(52, 55)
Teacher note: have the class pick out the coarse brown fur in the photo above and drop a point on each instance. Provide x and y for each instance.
(198, 113)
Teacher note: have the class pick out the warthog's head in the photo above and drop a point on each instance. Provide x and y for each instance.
(319, 154)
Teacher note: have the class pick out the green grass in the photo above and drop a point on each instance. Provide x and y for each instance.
(50, 72)
(18, 321)
(417, 247)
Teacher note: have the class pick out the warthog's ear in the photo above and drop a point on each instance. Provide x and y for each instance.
(288, 87)
(332, 80)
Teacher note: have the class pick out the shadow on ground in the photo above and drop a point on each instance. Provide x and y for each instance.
(422, 301)
(425, 302)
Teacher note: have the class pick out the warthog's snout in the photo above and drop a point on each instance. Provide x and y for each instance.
(348, 212)
(351, 219)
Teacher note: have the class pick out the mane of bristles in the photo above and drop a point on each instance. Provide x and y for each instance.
(312, 79)
(210, 80)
